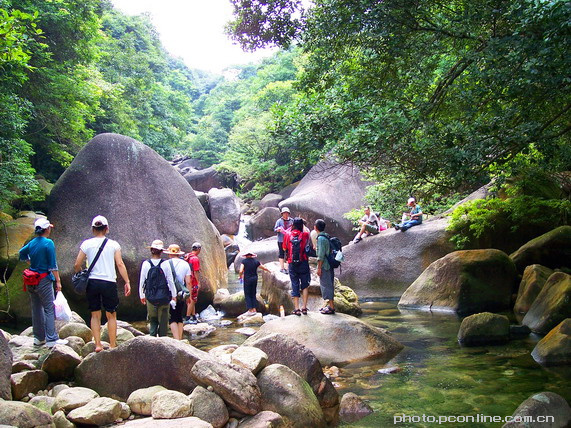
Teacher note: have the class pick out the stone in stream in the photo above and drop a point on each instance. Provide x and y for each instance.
(464, 282)
(484, 329)
(555, 348)
(551, 306)
(134, 193)
(353, 408)
(552, 249)
(133, 365)
(235, 304)
(533, 280)
(544, 404)
(287, 394)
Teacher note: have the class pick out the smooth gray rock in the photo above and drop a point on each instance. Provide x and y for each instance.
(209, 407)
(261, 225)
(23, 415)
(264, 419)
(170, 405)
(6, 360)
(61, 421)
(287, 394)
(28, 382)
(203, 180)
(224, 210)
(271, 200)
(353, 408)
(61, 363)
(484, 329)
(555, 348)
(43, 402)
(99, 411)
(141, 400)
(249, 357)
(133, 365)
(168, 423)
(266, 250)
(533, 280)
(72, 398)
(76, 329)
(543, 404)
(552, 249)
(77, 198)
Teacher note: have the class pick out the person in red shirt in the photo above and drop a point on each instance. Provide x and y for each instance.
(295, 243)
(194, 262)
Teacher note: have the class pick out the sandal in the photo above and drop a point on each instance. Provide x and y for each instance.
(297, 312)
(304, 311)
(328, 310)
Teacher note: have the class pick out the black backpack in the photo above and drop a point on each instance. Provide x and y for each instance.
(334, 248)
(295, 248)
(156, 287)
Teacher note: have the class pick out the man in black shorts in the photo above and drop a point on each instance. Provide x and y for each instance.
(102, 285)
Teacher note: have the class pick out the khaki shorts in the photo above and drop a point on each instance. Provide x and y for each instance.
(372, 229)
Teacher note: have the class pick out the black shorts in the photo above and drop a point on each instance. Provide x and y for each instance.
(176, 314)
(281, 250)
(100, 292)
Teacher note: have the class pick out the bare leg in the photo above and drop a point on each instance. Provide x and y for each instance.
(296, 302)
(175, 331)
(190, 308)
(96, 329)
(304, 295)
(331, 304)
(281, 264)
(112, 328)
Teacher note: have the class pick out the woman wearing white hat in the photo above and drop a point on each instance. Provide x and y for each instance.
(41, 253)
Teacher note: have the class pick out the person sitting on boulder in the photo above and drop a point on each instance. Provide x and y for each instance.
(194, 262)
(102, 286)
(415, 215)
(283, 226)
(369, 225)
(249, 276)
(295, 243)
(157, 289)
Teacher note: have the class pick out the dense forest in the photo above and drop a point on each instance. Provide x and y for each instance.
(431, 99)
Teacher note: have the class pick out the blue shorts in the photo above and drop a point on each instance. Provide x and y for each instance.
(300, 277)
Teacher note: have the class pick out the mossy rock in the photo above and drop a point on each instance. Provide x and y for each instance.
(555, 348)
(346, 300)
(484, 329)
(17, 298)
(552, 249)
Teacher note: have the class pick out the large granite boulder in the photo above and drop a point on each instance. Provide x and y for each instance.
(318, 196)
(484, 329)
(133, 365)
(542, 404)
(552, 249)
(139, 201)
(224, 210)
(261, 225)
(204, 201)
(16, 298)
(14, 234)
(6, 360)
(465, 282)
(266, 250)
(23, 415)
(551, 306)
(276, 289)
(385, 265)
(555, 348)
(203, 180)
(287, 394)
(533, 280)
(271, 200)
(335, 339)
(282, 349)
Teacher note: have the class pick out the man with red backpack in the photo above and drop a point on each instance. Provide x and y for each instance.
(295, 245)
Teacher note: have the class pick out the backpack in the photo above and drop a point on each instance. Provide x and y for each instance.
(156, 287)
(182, 292)
(335, 256)
(295, 243)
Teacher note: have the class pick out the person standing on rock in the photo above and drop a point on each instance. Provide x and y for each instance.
(194, 262)
(295, 244)
(283, 226)
(415, 215)
(249, 274)
(102, 286)
(324, 271)
(181, 274)
(157, 289)
(40, 252)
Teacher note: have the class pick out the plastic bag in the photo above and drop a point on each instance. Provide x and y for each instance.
(63, 311)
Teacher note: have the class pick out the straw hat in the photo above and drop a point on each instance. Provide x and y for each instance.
(174, 250)
(250, 254)
(157, 244)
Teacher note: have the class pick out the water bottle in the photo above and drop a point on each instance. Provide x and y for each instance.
(282, 311)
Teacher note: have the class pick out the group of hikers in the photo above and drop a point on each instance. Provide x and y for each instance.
(169, 288)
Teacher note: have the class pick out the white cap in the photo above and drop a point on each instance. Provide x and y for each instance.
(285, 210)
(411, 200)
(157, 244)
(99, 221)
(43, 223)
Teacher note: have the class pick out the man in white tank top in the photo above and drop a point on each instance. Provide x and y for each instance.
(102, 285)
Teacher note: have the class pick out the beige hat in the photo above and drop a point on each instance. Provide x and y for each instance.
(174, 250)
(157, 244)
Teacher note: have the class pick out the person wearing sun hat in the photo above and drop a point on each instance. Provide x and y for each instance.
(101, 289)
(194, 262)
(283, 225)
(40, 252)
(249, 274)
(181, 276)
(156, 283)
(415, 215)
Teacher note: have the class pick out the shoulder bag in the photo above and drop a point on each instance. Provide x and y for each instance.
(80, 279)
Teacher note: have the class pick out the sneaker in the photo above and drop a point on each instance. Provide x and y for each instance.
(39, 342)
(53, 343)
(186, 320)
(193, 320)
(397, 227)
(283, 271)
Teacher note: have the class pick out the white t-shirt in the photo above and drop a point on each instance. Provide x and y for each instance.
(165, 266)
(105, 267)
(181, 268)
(371, 219)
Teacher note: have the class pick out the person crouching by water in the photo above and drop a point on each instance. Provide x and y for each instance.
(181, 277)
(40, 252)
(249, 274)
(102, 285)
(157, 289)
